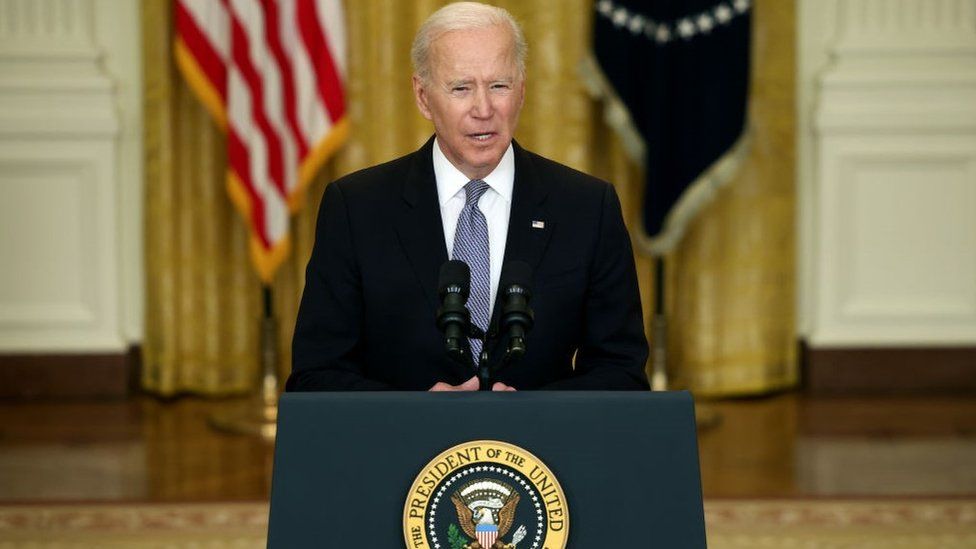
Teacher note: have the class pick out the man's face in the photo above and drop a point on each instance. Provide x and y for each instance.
(473, 97)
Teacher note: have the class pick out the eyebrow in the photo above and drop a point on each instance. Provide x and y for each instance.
(469, 81)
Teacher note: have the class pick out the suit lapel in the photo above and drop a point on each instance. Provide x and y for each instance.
(529, 228)
(419, 227)
(527, 239)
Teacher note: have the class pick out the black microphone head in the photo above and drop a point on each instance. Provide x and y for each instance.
(518, 273)
(455, 276)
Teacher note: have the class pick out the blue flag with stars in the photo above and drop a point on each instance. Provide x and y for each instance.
(675, 74)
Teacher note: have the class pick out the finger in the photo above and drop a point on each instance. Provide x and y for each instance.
(469, 385)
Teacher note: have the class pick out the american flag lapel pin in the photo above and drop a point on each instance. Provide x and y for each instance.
(536, 224)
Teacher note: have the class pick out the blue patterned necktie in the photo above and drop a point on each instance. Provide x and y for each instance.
(471, 247)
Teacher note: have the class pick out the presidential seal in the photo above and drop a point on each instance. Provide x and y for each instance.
(486, 494)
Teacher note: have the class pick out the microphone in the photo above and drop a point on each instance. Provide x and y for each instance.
(517, 317)
(453, 318)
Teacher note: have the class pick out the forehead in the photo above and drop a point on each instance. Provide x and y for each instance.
(474, 52)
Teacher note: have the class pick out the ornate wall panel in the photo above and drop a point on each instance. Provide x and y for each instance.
(59, 231)
(888, 184)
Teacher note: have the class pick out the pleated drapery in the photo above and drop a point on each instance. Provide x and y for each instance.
(730, 284)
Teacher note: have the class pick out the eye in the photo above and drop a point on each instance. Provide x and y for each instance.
(460, 89)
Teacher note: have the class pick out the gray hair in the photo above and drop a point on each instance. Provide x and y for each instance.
(463, 16)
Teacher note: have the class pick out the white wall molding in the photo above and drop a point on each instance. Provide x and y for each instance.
(61, 185)
(898, 28)
(47, 21)
(51, 81)
(887, 172)
(45, 38)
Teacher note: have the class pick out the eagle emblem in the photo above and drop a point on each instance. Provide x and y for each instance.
(486, 511)
(502, 496)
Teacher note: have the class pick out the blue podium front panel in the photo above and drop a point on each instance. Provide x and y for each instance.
(348, 465)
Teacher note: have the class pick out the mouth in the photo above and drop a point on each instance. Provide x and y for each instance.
(482, 137)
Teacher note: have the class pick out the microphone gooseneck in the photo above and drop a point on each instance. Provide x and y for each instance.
(453, 318)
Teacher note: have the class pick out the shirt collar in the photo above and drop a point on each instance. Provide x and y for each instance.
(450, 180)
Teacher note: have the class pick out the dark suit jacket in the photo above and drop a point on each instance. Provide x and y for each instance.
(366, 319)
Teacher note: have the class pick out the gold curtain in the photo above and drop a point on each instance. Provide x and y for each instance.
(731, 289)
(204, 301)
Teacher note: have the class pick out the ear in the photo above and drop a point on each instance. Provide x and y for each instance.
(420, 96)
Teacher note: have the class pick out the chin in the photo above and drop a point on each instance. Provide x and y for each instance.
(486, 157)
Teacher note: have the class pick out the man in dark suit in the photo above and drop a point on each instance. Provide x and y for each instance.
(366, 320)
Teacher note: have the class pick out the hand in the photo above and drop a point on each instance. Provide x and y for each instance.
(469, 385)
(499, 386)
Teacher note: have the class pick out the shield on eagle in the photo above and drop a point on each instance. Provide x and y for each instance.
(485, 509)
(487, 534)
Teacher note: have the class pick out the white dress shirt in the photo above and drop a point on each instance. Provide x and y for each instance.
(496, 204)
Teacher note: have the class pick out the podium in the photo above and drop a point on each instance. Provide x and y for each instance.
(539, 469)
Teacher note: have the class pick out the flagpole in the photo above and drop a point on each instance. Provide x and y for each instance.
(659, 356)
(269, 351)
(259, 415)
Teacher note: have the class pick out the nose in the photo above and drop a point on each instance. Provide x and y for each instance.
(482, 107)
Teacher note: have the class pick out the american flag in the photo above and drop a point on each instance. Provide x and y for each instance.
(271, 73)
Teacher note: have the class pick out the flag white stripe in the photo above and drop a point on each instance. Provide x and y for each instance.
(308, 105)
(286, 33)
(251, 18)
(240, 120)
(213, 22)
(312, 117)
(276, 217)
(332, 19)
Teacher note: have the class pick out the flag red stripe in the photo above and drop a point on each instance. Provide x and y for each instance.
(326, 75)
(203, 51)
(272, 34)
(240, 51)
(240, 163)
